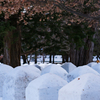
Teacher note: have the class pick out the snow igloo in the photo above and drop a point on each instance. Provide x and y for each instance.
(55, 69)
(17, 80)
(45, 87)
(4, 69)
(84, 87)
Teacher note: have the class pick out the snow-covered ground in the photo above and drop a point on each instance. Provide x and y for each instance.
(50, 81)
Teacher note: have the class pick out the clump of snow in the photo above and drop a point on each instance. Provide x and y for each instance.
(80, 71)
(17, 80)
(96, 67)
(45, 87)
(91, 64)
(85, 87)
(4, 69)
(68, 66)
(55, 69)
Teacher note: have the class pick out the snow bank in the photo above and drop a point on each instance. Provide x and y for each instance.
(96, 67)
(80, 71)
(85, 87)
(45, 87)
(55, 69)
(4, 69)
(68, 66)
(91, 64)
(17, 80)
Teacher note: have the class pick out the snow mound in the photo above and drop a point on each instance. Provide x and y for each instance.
(80, 71)
(91, 64)
(55, 69)
(17, 80)
(37, 66)
(96, 67)
(68, 66)
(44, 65)
(45, 87)
(4, 69)
(85, 87)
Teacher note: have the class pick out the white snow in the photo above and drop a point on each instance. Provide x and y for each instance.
(85, 87)
(68, 66)
(17, 80)
(55, 69)
(0, 98)
(45, 87)
(4, 69)
(91, 64)
(80, 71)
(97, 67)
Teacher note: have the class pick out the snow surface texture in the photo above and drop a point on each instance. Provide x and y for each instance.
(4, 69)
(85, 87)
(80, 71)
(45, 87)
(68, 66)
(97, 67)
(55, 69)
(91, 64)
(17, 80)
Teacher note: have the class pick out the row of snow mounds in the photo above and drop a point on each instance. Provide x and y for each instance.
(4, 69)
(85, 87)
(17, 80)
(80, 71)
(68, 66)
(55, 69)
(45, 87)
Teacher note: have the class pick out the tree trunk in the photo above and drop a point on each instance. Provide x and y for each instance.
(12, 47)
(82, 56)
(50, 59)
(24, 59)
(35, 57)
(53, 59)
(63, 59)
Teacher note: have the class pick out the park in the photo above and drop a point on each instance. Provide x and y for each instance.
(49, 49)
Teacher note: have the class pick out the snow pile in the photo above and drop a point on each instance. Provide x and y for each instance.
(44, 65)
(17, 80)
(45, 87)
(80, 71)
(68, 66)
(91, 64)
(97, 67)
(85, 87)
(55, 69)
(4, 69)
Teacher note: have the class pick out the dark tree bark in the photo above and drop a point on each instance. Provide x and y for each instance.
(50, 59)
(35, 57)
(63, 59)
(12, 43)
(24, 59)
(83, 55)
(53, 59)
(12, 48)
